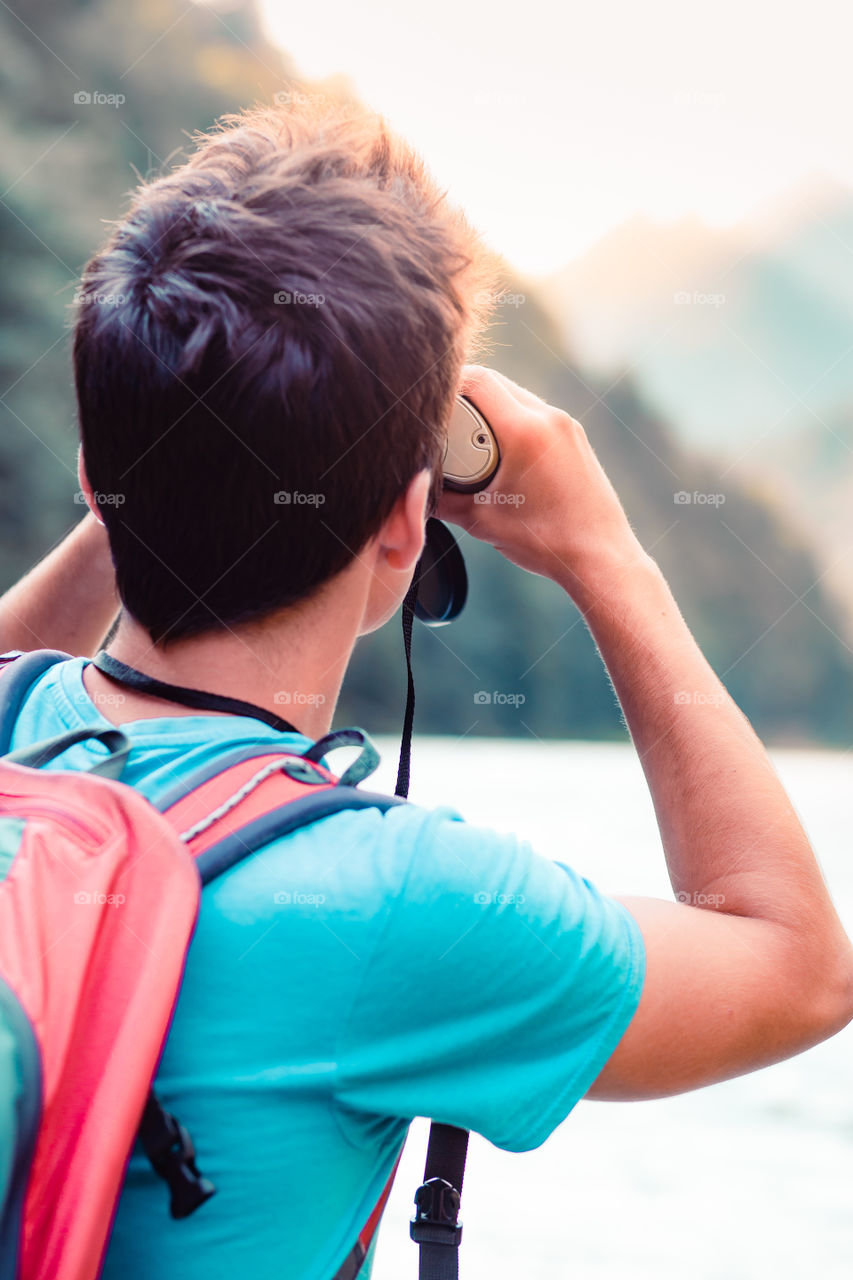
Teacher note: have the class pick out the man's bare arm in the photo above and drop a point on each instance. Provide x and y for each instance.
(752, 964)
(68, 601)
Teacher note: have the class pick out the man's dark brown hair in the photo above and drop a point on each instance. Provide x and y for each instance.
(266, 351)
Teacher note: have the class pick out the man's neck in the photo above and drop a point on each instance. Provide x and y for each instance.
(293, 667)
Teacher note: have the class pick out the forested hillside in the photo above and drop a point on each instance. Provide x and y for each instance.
(68, 156)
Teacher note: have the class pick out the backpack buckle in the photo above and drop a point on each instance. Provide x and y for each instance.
(435, 1220)
(170, 1150)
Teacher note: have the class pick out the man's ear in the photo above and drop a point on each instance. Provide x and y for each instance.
(393, 552)
(85, 487)
(401, 537)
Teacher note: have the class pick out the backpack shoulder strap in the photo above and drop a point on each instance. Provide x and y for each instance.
(231, 808)
(289, 815)
(18, 673)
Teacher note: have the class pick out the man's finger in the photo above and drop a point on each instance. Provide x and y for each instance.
(488, 388)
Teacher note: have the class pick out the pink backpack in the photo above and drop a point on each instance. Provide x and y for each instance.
(99, 892)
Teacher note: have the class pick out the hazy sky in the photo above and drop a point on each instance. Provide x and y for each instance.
(551, 123)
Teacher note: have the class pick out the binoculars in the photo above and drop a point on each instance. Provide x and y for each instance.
(471, 458)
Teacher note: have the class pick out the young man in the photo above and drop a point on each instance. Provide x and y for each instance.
(290, 313)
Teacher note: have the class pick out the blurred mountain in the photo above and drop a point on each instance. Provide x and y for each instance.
(732, 334)
(746, 580)
(810, 473)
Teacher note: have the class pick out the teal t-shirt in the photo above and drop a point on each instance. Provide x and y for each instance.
(346, 978)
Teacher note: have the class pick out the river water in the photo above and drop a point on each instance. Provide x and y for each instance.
(744, 1180)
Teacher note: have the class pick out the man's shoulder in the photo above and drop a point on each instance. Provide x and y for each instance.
(400, 837)
(407, 854)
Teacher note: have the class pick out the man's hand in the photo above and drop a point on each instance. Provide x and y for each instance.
(752, 964)
(550, 508)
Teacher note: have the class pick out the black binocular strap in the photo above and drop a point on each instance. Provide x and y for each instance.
(403, 769)
(435, 1227)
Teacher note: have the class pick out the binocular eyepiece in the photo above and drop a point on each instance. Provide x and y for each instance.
(471, 455)
(471, 458)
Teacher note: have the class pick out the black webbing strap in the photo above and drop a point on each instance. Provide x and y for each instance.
(436, 1228)
(408, 615)
(198, 699)
(446, 1153)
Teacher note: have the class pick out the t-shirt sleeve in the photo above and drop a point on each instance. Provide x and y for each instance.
(499, 986)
